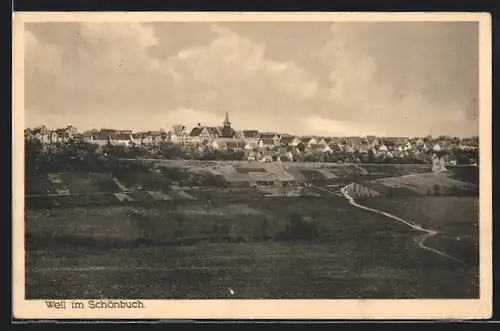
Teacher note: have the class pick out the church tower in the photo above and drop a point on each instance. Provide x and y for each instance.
(226, 123)
(227, 131)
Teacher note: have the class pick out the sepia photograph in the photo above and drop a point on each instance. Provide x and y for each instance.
(252, 165)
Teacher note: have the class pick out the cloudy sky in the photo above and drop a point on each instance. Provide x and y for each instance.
(302, 78)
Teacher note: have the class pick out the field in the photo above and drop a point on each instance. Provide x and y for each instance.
(202, 241)
(456, 218)
(435, 184)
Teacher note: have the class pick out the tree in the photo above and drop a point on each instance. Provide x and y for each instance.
(32, 154)
(371, 156)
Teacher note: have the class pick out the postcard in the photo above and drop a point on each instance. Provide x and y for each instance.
(209, 165)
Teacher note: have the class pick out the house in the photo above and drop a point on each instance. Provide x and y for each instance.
(121, 139)
(150, 137)
(288, 140)
(407, 146)
(382, 148)
(267, 143)
(300, 148)
(335, 148)
(253, 155)
(123, 131)
(307, 141)
(325, 141)
(195, 135)
(428, 146)
(238, 135)
(419, 142)
(327, 149)
(87, 136)
(179, 134)
(210, 133)
(64, 134)
(397, 154)
(370, 138)
(235, 145)
(109, 136)
(252, 145)
(355, 144)
(285, 155)
(337, 144)
(137, 138)
(270, 135)
(70, 131)
(444, 144)
(349, 149)
(218, 144)
(43, 134)
(337, 141)
(77, 137)
(319, 148)
(372, 141)
(204, 134)
(436, 148)
(364, 148)
(99, 137)
(265, 157)
(250, 135)
(399, 140)
(54, 137)
(466, 145)
(58, 135)
(28, 134)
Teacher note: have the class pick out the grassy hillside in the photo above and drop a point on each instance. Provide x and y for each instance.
(436, 184)
(195, 230)
(305, 248)
(456, 218)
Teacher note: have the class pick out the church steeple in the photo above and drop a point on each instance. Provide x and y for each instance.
(226, 121)
(227, 131)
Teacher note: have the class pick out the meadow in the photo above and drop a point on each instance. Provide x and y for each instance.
(235, 238)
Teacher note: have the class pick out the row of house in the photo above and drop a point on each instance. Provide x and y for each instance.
(46, 135)
(226, 138)
(338, 145)
(99, 137)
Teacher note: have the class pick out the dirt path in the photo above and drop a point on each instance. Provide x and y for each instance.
(420, 240)
(326, 190)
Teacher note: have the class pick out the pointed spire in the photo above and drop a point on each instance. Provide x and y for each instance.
(226, 120)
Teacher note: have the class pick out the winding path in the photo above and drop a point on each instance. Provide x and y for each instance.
(420, 240)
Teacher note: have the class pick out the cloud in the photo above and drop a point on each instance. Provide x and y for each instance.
(111, 44)
(107, 71)
(128, 74)
(324, 126)
(46, 59)
(398, 83)
(234, 67)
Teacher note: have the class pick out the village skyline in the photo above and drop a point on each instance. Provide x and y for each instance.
(169, 129)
